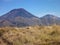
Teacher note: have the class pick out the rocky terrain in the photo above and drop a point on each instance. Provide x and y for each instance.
(20, 18)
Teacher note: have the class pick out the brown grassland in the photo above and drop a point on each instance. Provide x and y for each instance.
(32, 35)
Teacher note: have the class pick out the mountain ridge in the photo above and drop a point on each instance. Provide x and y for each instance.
(18, 17)
(21, 17)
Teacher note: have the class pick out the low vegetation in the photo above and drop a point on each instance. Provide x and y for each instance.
(32, 35)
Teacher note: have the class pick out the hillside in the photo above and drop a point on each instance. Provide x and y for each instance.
(50, 19)
(21, 18)
(18, 18)
(32, 35)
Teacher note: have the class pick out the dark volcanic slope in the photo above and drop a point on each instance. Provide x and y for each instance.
(19, 17)
(50, 20)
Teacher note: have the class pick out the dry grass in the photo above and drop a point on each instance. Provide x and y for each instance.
(32, 35)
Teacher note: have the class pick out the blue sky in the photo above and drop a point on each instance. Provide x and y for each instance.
(36, 7)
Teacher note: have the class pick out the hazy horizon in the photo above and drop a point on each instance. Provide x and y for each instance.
(38, 8)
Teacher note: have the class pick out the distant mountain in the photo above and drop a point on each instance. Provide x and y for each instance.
(19, 17)
(50, 20)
